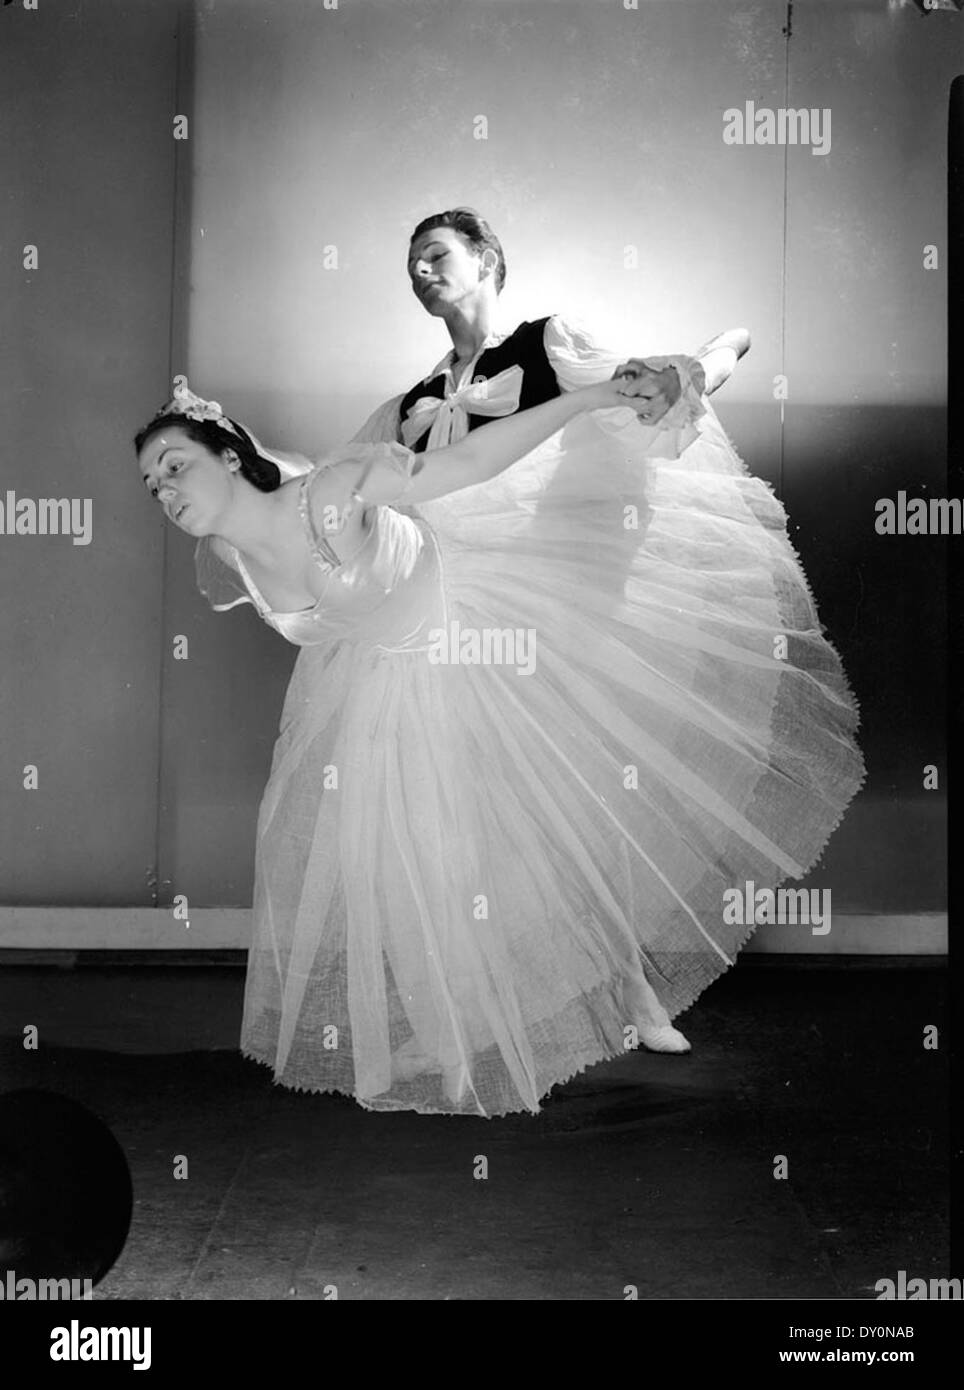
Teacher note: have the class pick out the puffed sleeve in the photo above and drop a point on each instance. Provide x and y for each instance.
(217, 577)
(377, 474)
(575, 356)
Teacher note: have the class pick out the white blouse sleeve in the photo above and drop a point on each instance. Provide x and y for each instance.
(575, 356)
(578, 360)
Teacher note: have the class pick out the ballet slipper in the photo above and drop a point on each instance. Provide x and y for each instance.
(651, 1020)
(663, 1038)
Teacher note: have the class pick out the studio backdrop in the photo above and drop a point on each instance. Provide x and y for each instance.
(226, 190)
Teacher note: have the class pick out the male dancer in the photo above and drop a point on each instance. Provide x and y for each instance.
(457, 269)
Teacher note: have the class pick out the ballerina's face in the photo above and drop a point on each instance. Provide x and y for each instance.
(191, 483)
(444, 269)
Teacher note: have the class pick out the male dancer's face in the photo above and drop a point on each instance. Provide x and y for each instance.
(445, 271)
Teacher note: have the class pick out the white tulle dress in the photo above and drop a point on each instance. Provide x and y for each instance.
(535, 731)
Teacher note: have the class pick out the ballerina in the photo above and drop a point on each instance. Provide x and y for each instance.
(474, 880)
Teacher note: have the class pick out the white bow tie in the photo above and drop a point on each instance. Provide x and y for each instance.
(447, 418)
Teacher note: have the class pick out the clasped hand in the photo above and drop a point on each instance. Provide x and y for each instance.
(652, 393)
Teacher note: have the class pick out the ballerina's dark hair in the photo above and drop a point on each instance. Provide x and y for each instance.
(474, 228)
(259, 471)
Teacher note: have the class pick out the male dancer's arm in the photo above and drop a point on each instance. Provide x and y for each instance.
(578, 360)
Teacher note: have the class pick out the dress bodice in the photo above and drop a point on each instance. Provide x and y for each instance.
(386, 593)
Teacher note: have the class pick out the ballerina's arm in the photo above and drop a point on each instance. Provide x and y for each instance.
(479, 456)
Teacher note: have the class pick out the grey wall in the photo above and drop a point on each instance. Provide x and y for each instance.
(88, 177)
(312, 127)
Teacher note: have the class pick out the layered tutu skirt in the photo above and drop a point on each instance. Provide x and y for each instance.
(506, 805)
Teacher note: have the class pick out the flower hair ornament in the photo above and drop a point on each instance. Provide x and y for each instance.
(185, 402)
(192, 407)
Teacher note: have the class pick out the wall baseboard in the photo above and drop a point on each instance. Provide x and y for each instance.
(228, 929)
(854, 934)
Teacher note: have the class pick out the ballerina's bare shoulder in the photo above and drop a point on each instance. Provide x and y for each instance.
(295, 581)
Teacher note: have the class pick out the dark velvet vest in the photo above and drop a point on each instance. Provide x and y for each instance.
(523, 348)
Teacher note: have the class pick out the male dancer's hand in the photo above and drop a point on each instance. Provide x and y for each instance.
(661, 389)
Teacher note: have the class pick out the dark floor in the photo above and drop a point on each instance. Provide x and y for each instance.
(649, 1171)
